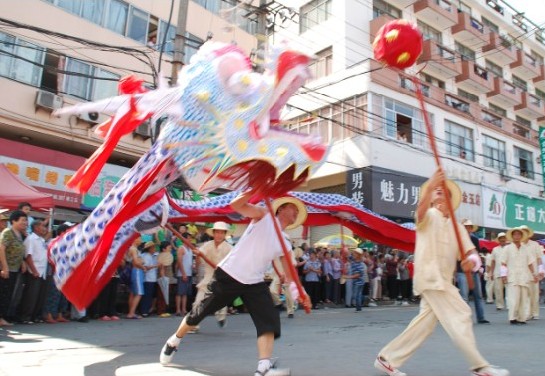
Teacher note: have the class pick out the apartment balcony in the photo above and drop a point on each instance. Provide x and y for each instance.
(499, 50)
(469, 31)
(474, 79)
(518, 27)
(521, 130)
(531, 107)
(439, 61)
(377, 23)
(539, 81)
(492, 119)
(525, 66)
(440, 14)
(401, 4)
(504, 94)
(462, 105)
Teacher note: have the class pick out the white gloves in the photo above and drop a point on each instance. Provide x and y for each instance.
(476, 259)
(293, 291)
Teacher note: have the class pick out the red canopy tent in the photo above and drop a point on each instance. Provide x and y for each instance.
(14, 191)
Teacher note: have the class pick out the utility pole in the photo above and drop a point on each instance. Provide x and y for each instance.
(179, 40)
(261, 35)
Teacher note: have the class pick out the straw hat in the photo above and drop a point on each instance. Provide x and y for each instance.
(528, 230)
(359, 251)
(149, 245)
(4, 217)
(521, 230)
(220, 226)
(501, 235)
(467, 222)
(454, 189)
(301, 216)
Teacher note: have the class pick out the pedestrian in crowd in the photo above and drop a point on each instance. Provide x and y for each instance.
(436, 251)
(149, 257)
(488, 277)
(214, 250)
(184, 275)
(107, 300)
(35, 289)
(518, 272)
(3, 222)
(279, 286)
(358, 276)
(337, 271)
(12, 253)
(461, 277)
(346, 258)
(403, 273)
(535, 250)
(377, 280)
(134, 256)
(242, 272)
(312, 271)
(495, 267)
(165, 276)
(55, 302)
(391, 276)
(327, 270)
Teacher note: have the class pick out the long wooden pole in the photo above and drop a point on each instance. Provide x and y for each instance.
(433, 146)
(303, 297)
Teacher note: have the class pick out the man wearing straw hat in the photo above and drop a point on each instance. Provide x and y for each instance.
(495, 271)
(241, 273)
(436, 252)
(533, 286)
(214, 250)
(518, 272)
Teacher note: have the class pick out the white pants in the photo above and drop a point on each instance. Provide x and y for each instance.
(377, 288)
(452, 312)
(489, 290)
(498, 292)
(533, 289)
(517, 302)
(221, 314)
(276, 289)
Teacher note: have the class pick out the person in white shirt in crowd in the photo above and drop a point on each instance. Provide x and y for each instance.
(518, 272)
(279, 286)
(214, 250)
(488, 277)
(184, 275)
(242, 274)
(149, 258)
(495, 274)
(35, 290)
(533, 286)
(436, 253)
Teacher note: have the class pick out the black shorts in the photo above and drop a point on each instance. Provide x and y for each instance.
(223, 290)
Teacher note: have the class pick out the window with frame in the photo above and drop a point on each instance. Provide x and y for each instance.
(169, 42)
(491, 25)
(459, 141)
(524, 162)
(537, 57)
(540, 93)
(494, 68)
(322, 66)
(86, 82)
(138, 25)
(434, 81)
(381, 7)
(466, 52)
(465, 8)
(523, 121)
(467, 95)
(191, 46)
(404, 123)
(494, 153)
(20, 60)
(314, 13)
(520, 83)
(429, 32)
(118, 13)
(497, 110)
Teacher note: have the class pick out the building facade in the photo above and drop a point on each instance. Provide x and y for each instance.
(483, 81)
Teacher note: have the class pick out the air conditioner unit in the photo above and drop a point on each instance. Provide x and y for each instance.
(143, 130)
(50, 101)
(90, 117)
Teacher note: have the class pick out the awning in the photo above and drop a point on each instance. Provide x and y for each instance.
(13, 191)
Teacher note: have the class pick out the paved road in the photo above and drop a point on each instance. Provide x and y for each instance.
(336, 342)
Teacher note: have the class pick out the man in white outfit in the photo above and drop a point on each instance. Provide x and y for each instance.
(214, 250)
(533, 285)
(495, 267)
(242, 273)
(436, 253)
(518, 272)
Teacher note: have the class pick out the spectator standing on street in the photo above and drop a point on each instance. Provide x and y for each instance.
(137, 278)
(12, 253)
(184, 274)
(436, 251)
(149, 258)
(495, 266)
(312, 271)
(391, 276)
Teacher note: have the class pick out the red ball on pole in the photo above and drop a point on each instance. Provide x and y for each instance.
(398, 44)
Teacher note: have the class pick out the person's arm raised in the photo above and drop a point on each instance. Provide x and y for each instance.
(241, 205)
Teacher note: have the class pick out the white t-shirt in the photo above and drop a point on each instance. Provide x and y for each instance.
(35, 247)
(187, 263)
(254, 252)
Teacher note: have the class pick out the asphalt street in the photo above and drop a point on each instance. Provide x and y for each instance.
(335, 341)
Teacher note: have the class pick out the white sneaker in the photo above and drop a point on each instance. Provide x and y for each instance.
(274, 372)
(167, 353)
(491, 371)
(382, 365)
(372, 304)
(405, 303)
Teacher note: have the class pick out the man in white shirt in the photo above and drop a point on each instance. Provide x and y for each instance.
(242, 272)
(533, 286)
(436, 253)
(495, 268)
(35, 278)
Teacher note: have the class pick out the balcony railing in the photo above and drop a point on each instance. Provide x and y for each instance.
(481, 72)
(446, 5)
(477, 24)
(509, 87)
(492, 119)
(520, 130)
(407, 83)
(457, 103)
(494, 5)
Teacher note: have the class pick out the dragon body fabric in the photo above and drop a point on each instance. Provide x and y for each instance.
(218, 130)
